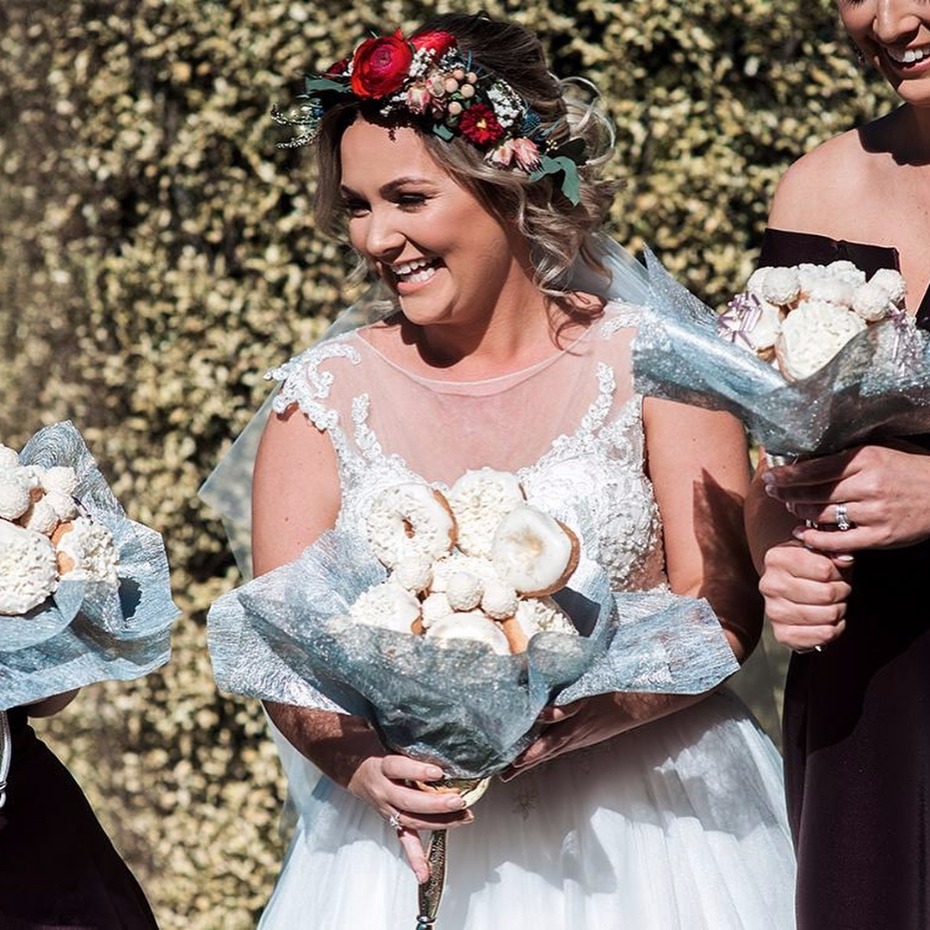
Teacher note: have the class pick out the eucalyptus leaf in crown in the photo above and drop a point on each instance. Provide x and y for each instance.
(429, 82)
(84, 591)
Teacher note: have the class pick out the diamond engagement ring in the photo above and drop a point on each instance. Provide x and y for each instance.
(842, 518)
(394, 821)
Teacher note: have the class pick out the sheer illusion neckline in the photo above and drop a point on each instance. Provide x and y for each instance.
(482, 386)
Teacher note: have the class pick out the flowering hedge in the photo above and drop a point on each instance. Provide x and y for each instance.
(157, 256)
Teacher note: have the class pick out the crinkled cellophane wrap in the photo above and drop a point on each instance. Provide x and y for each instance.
(877, 386)
(285, 637)
(89, 631)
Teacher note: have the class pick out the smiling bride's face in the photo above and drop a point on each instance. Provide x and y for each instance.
(894, 36)
(436, 245)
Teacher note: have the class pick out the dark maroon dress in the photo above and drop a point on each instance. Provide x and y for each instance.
(58, 869)
(857, 717)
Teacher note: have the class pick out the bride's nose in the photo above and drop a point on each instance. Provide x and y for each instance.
(383, 237)
(896, 21)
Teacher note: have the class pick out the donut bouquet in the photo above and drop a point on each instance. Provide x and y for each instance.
(812, 358)
(477, 563)
(800, 317)
(450, 617)
(84, 592)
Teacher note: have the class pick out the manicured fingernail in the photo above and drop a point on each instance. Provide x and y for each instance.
(798, 532)
(422, 875)
(768, 479)
(456, 803)
(434, 773)
(845, 557)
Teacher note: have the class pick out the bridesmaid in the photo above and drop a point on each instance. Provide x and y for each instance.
(58, 869)
(843, 595)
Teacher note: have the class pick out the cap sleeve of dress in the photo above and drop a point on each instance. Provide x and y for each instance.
(307, 380)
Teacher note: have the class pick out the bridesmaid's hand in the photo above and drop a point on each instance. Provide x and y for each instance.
(564, 729)
(884, 492)
(386, 783)
(805, 595)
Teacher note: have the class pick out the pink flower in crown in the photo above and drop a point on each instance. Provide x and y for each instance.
(527, 153)
(521, 153)
(381, 65)
(418, 98)
(502, 156)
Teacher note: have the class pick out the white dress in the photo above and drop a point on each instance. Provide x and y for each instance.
(677, 825)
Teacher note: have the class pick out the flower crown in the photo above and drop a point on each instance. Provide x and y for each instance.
(428, 80)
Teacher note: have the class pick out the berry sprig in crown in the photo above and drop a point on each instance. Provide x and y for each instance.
(429, 81)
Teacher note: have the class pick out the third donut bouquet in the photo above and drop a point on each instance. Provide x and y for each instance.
(833, 357)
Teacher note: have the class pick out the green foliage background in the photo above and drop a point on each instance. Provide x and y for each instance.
(157, 256)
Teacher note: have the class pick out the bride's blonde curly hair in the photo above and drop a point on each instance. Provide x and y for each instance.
(557, 229)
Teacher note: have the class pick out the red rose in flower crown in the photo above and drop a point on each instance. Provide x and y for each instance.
(338, 68)
(480, 126)
(381, 65)
(437, 42)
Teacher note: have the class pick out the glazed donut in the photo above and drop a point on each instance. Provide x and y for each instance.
(534, 553)
(387, 605)
(473, 626)
(28, 570)
(408, 520)
(480, 499)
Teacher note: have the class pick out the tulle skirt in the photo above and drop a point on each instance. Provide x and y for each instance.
(678, 825)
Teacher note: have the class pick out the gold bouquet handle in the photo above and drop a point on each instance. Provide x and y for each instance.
(430, 892)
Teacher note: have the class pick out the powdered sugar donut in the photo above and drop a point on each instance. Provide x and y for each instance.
(41, 517)
(387, 605)
(499, 600)
(536, 615)
(434, 607)
(533, 552)
(456, 562)
(464, 591)
(60, 479)
(811, 335)
(86, 550)
(414, 572)
(408, 520)
(14, 494)
(9, 459)
(28, 569)
(480, 499)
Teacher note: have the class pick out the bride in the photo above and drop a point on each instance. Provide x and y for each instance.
(460, 185)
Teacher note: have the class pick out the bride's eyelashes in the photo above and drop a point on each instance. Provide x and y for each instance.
(411, 201)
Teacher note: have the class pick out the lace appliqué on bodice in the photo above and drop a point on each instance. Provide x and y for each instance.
(593, 478)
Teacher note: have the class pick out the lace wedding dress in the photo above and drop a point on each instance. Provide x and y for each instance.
(678, 824)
